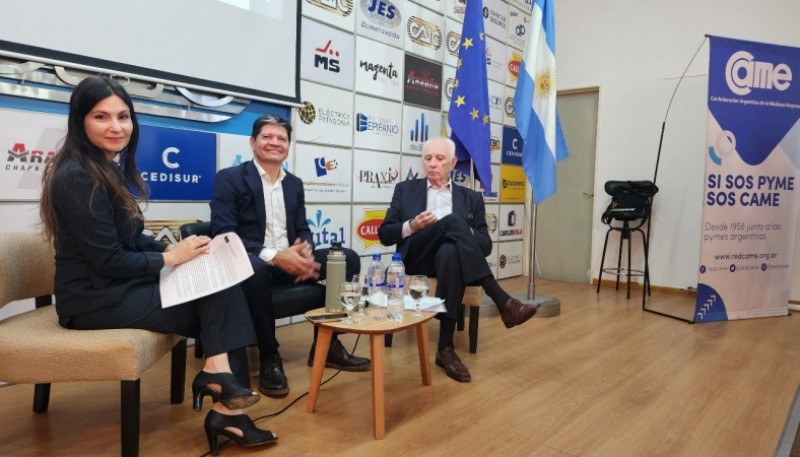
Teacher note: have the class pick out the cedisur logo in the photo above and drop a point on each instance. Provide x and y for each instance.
(742, 74)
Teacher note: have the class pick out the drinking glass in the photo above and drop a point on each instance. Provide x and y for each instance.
(418, 288)
(348, 296)
(363, 300)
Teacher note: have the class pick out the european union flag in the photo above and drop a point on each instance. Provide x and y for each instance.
(469, 106)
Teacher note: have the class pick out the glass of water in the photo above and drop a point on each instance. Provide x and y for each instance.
(363, 300)
(348, 296)
(418, 288)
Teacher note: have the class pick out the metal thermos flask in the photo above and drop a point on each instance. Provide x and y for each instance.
(335, 276)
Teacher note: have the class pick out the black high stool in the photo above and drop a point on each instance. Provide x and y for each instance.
(631, 203)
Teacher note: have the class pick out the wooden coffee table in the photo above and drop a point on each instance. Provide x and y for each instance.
(376, 329)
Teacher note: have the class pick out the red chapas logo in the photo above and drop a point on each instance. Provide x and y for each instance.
(22, 159)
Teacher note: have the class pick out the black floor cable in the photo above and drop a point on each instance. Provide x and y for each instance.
(267, 416)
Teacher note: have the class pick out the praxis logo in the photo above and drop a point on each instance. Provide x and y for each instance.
(743, 73)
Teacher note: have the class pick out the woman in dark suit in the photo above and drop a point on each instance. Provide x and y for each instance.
(107, 272)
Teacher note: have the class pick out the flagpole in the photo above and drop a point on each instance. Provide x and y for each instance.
(550, 306)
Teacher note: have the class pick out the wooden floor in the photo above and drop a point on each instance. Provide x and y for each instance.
(601, 379)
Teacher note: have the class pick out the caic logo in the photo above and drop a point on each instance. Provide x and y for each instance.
(384, 13)
(453, 42)
(378, 125)
(424, 33)
(322, 234)
(21, 159)
(158, 176)
(309, 113)
(509, 107)
(379, 179)
(449, 85)
(742, 74)
(340, 7)
(388, 74)
(323, 167)
(324, 56)
(367, 229)
(419, 133)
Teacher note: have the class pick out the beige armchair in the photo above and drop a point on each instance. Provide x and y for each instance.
(35, 349)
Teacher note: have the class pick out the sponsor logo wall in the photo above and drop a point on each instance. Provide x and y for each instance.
(356, 142)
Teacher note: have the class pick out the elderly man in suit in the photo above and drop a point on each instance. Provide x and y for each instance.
(440, 228)
(265, 205)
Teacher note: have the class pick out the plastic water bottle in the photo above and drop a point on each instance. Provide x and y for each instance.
(375, 273)
(395, 284)
(335, 274)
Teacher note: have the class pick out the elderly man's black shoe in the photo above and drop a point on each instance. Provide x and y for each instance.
(340, 359)
(515, 312)
(271, 378)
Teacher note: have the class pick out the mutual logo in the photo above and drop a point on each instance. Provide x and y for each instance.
(452, 43)
(21, 158)
(367, 229)
(323, 166)
(377, 125)
(384, 14)
(324, 232)
(327, 58)
(338, 7)
(743, 73)
(424, 33)
(379, 178)
(419, 134)
(310, 114)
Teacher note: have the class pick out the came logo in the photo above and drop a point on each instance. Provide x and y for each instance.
(22, 159)
(424, 33)
(323, 167)
(378, 125)
(324, 56)
(742, 74)
(338, 7)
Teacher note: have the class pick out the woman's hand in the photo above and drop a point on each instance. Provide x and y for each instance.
(187, 249)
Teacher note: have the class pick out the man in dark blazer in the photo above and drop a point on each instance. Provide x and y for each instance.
(265, 205)
(440, 228)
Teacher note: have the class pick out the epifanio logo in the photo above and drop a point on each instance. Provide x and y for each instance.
(743, 73)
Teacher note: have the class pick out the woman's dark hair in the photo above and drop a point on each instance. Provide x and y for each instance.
(77, 147)
(269, 119)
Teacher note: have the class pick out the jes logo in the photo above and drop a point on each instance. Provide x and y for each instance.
(322, 58)
(742, 74)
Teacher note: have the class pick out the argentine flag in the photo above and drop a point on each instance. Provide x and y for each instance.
(535, 104)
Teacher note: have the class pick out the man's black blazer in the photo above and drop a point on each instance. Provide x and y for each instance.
(237, 205)
(410, 198)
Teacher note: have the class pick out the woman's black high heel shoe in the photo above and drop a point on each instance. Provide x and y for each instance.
(216, 424)
(231, 394)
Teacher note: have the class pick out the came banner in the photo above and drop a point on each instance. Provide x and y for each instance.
(750, 197)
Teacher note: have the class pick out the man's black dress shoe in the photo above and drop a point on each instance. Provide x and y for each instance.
(271, 378)
(452, 364)
(515, 312)
(340, 359)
